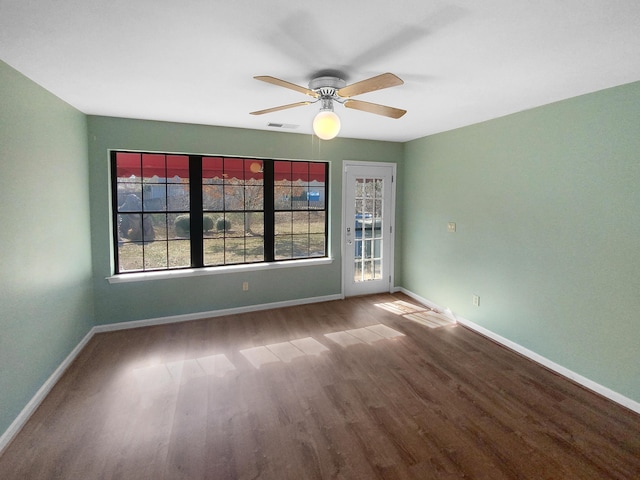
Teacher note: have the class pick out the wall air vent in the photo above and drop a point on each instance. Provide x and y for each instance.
(282, 125)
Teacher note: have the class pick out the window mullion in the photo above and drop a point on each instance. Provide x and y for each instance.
(269, 214)
(195, 210)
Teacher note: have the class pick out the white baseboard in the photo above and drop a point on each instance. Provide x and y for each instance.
(37, 399)
(210, 314)
(40, 395)
(531, 355)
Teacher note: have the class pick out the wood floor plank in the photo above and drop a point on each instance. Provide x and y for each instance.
(347, 389)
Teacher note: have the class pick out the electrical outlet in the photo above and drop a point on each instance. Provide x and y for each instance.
(476, 300)
(245, 286)
(451, 227)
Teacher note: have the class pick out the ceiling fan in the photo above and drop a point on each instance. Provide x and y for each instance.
(329, 89)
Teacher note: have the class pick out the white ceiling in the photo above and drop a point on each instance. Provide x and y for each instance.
(463, 61)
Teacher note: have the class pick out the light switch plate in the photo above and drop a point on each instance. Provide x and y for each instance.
(451, 227)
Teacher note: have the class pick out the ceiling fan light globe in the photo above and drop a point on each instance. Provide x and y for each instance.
(326, 125)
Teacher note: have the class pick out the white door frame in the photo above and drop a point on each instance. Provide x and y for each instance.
(392, 220)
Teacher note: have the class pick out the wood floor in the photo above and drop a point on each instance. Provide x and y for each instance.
(344, 389)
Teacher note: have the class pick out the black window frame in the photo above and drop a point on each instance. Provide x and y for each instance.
(196, 212)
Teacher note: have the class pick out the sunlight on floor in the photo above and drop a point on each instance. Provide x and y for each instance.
(417, 313)
(164, 373)
(371, 334)
(288, 351)
(283, 351)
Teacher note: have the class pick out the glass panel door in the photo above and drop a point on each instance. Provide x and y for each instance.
(368, 226)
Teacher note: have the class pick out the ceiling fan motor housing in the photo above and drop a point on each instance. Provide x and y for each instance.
(326, 86)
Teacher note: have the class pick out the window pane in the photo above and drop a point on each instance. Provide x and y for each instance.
(159, 222)
(317, 222)
(282, 196)
(301, 222)
(254, 223)
(379, 182)
(316, 197)
(299, 199)
(360, 215)
(317, 246)
(153, 167)
(254, 197)
(155, 255)
(136, 227)
(208, 225)
(155, 197)
(177, 168)
(233, 197)
(130, 256)
(358, 244)
(254, 249)
(234, 250)
(233, 170)
(283, 222)
(283, 247)
(357, 270)
(219, 226)
(377, 269)
(253, 172)
(368, 247)
(179, 226)
(130, 197)
(214, 251)
(367, 267)
(235, 224)
(177, 197)
(317, 172)
(212, 171)
(212, 197)
(369, 205)
(369, 190)
(129, 167)
(222, 224)
(300, 172)
(282, 172)
(300, 246)
(179, 253)
(376, 248)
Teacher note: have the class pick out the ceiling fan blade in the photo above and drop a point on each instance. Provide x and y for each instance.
(285, 84)
(372, 84)
(375, 108)
(281, 107)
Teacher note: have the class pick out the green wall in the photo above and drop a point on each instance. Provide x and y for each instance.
(547, 206)
(160, 298)
(45, 260)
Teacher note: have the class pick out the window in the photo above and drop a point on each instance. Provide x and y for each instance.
(189, 211)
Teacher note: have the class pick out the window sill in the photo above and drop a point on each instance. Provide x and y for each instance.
(197, 272)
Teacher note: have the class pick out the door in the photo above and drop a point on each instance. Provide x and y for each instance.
(368, 200)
